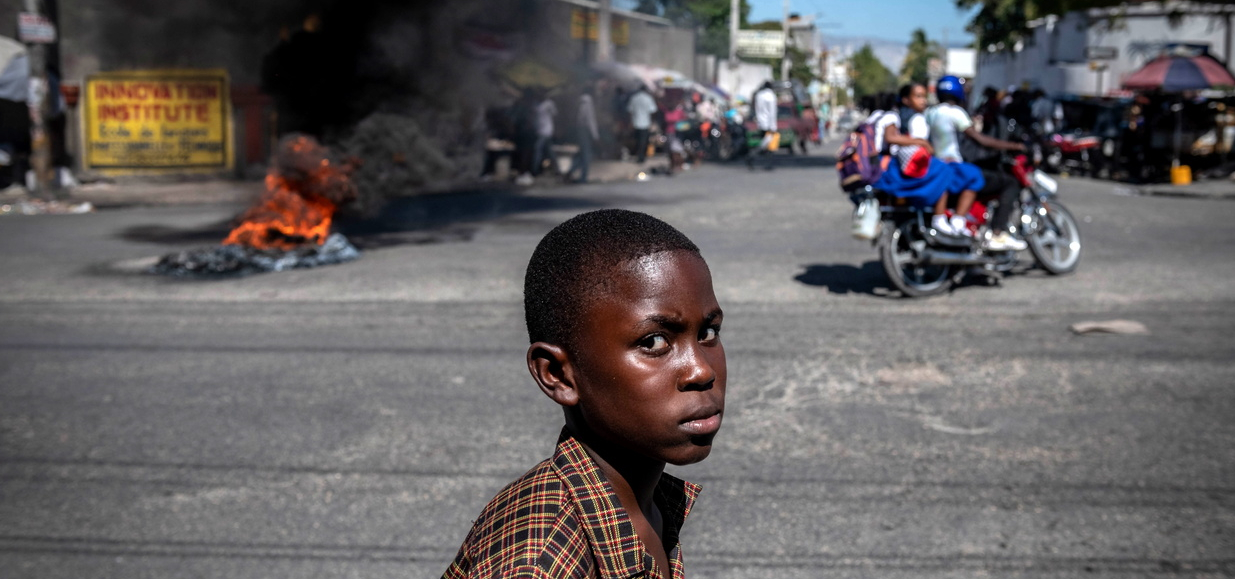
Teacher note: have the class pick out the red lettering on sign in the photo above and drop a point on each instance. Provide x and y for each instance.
(113, 113)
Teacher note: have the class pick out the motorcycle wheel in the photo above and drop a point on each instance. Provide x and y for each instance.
(896, 251)
(1054, 238)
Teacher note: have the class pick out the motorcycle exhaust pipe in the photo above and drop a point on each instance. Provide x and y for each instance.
(953, 258)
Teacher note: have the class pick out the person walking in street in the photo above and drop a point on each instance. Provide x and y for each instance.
(586, 133)
(764, 106)
(546, 111)
(641, 108)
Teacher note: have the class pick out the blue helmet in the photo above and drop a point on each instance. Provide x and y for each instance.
(950, 85)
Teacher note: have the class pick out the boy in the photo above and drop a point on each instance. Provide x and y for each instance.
(625, 336)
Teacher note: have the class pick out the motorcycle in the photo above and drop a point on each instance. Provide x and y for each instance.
(717, 146)
(921, 261)
(1073, 152)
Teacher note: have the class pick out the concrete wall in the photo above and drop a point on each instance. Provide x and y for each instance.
(1055, 57)
(743, 81)
(108, 35)
(652, 40)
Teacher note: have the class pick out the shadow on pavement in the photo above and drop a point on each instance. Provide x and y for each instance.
(846, 279)
(434, 218)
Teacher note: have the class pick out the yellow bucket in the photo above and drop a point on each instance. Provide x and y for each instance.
(1181, 175)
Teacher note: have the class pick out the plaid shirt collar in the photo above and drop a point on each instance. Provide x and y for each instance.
(619, 551)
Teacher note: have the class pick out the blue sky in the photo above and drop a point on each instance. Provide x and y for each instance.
(890, 19)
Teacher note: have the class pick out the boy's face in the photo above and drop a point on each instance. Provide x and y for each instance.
(917, 98)
(650, 367)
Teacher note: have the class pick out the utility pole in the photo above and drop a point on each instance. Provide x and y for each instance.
(45, 184)
(734, 7)
(603, 36)
(784, 61)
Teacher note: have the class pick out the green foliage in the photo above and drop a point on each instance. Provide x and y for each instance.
(799, 66)
(870, 76)
(917, 63)
(709, 17)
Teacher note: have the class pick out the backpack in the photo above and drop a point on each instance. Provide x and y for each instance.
(859, 163)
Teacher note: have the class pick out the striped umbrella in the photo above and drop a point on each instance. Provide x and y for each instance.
(1173, 73)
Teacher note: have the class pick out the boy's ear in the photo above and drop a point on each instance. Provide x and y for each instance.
(554, 372)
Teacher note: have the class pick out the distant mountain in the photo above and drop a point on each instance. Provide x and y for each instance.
(890, 52)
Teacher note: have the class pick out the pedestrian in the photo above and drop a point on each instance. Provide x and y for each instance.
(1042, 109)
(625, 336)
(586, 133)
(641, 107)
(674, 114)
(524, 115)
(989, 111)
(546, 112)
(764, 106)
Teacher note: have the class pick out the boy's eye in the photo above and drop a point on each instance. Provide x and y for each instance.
(654, 342)
(711, 334)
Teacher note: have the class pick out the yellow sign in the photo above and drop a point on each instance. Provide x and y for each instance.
(158, 120)
(587, 23)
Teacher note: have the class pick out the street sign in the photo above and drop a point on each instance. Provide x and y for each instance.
(1101, 53)
(158, 121)
(761, 43)
(35, 29)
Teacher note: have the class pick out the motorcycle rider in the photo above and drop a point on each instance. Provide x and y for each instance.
(948, 121)
(902, 132)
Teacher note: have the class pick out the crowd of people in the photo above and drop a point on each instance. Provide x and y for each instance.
(600, 119)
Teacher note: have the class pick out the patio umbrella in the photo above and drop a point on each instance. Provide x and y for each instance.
(621, 74)
(1175, 73)
(528, 73)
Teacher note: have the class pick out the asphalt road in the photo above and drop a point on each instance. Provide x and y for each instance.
(350, 421)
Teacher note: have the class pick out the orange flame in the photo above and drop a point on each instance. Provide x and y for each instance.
(294, 210)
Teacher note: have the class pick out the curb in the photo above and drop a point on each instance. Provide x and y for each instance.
(1209, 190)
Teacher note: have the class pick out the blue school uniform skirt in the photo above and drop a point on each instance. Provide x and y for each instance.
(924, 190)
(966, 176)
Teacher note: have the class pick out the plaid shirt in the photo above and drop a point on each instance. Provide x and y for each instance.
(562, 519)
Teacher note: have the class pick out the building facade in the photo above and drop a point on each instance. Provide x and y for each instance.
(1089, 53)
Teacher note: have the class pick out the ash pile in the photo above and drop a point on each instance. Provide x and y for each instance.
(242, 260)
(289, 226)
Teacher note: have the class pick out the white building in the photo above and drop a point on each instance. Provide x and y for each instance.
(1091, 52)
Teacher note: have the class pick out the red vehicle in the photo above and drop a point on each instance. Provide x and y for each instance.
(1071, 152)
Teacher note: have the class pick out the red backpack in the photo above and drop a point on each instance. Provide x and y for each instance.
(859, 163)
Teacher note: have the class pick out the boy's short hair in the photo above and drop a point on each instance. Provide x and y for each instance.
(570, 265)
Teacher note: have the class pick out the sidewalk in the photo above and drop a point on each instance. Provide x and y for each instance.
(1207, 189)
(195, 192)
(130, 192)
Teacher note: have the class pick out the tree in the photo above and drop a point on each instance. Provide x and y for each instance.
(917, 63)
(709, 17)
(870, 76)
